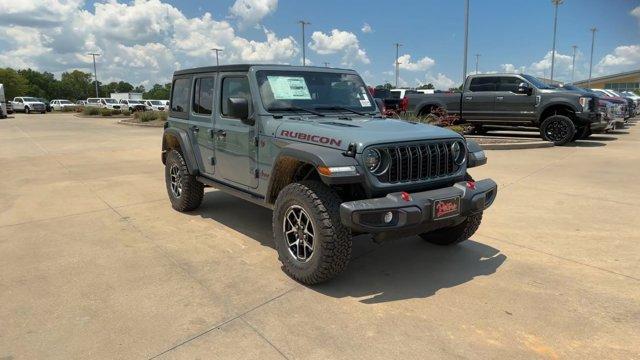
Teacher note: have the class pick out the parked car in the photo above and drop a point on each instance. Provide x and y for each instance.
(46, 103)
(155, 105)
(620, 110)
(606, 108)
(61, 104)
(3, 103)
(81, 102)
(393, 103)
(132, 105)
(636, 99)
(516, 100)
(106, 103)
(8, 107)
(311, 145)
(28, 104)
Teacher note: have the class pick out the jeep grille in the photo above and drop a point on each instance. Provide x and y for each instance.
(418, 162)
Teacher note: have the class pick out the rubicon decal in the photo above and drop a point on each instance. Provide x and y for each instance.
(311, 137)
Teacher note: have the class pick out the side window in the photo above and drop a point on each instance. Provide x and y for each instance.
(509, 83)
(234, 87)
(180, 95)
(485, 83)
(203, 95)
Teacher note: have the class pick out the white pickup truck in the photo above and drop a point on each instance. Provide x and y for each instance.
(28, 104)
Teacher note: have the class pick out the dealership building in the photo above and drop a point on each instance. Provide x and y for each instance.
(629, 80)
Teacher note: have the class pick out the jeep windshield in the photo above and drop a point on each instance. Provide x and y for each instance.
(313, 92)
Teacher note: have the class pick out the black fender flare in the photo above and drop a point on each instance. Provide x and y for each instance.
(555, 103)
(186, 148)
(315, 156)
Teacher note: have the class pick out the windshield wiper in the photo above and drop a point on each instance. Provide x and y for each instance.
(296, 108)
(341, 108)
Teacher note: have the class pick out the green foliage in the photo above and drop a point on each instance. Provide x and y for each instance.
(637, 91)
(387, 86)
(69, 109)
(116, 112)
(426, 86)
(146, 116)
(91, 110)
(106, 112)
(158, 92)
(126, 112)
(14, 83)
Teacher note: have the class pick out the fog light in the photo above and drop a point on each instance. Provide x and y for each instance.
(388, 217)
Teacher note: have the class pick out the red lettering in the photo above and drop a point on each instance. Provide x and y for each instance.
(335, 142)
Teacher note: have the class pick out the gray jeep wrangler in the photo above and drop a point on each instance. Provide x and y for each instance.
(310, 144)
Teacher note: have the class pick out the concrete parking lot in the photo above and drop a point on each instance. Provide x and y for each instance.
(94, 263)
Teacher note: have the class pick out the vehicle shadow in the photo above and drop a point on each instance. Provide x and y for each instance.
(397, 269)
(585, 143)
(600, 137)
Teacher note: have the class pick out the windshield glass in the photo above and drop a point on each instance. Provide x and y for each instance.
(313, 90)
(155, 102)
(536, 82)
(30, 99)
(111, 101)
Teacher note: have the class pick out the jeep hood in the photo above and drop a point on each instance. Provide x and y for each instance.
(339, 133)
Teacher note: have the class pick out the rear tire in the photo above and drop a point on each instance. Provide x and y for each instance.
(26, 110)
(558, 129)
(185, 192)
(307, 213)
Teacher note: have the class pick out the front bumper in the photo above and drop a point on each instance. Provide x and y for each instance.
(591, 117)
(416, 214)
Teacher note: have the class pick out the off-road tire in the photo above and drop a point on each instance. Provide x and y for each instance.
(454, 234)
(26, 110)
(332, 240)
(558, 129)
(192, 190)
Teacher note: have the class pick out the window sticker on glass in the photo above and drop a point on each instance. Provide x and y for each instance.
(364, 99)
(289, 88)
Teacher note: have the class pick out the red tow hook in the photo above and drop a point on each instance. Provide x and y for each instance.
(471, 185)
(405, 196)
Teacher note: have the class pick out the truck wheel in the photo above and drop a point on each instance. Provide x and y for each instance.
(185, 192)
(455, 234)
(26, 110)
(558, 129)
(312, 243)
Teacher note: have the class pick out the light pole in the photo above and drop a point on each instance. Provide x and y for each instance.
(466, 39)
(593, 40)
(217, 50)
(95, 72)
(555, 26)
(477, 59)
(304, 56)
(397, 62)
(573, 64)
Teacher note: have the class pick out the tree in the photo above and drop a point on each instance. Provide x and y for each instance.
(387, 86)
(426, 86)
(40, 84)
(158, 92)
(76, 85)
(14, 83)
(139, 89)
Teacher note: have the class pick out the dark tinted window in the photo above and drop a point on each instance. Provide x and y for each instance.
(509, 83)
(483, 84)
(180, 96)
(234, 87)
(203, 95)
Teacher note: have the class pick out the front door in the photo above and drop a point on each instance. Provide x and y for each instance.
(510, 105)
(235, 148)
(478, 101)
(201, 120)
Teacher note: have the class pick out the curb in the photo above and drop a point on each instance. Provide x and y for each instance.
(128, 123)
(512, 145)
(102, 117)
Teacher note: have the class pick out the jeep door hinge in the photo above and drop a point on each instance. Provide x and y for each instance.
(256, 173)
(211, 133)
(212, 161)
(256, 141)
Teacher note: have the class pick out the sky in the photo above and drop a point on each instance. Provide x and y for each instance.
(144, 41)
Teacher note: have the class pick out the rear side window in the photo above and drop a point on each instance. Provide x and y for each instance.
(480, 84)
(234, 87)
(203, 95)
(180, 95)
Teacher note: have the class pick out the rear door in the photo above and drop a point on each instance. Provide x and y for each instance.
(512, 106)
(478, 101)
(201, 119)
(236, 152)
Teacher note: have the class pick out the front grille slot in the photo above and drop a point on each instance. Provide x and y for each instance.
(418, 162)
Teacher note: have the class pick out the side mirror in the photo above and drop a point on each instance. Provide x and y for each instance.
(239, 109)
(524, 88)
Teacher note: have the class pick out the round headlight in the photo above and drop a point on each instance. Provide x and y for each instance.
(372, 159)
(458, 152)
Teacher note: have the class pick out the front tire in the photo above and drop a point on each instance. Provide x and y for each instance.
(26, 110)
(558, 129)
(312, 243)
(185, 191)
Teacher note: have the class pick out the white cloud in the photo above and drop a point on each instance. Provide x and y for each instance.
(636, 13)
(440, 81)
(45, 13)
(253, 11)
(623, 58)
(150, 36)
(339, 42)
(366, 28)
(421, 65)
(510, 68)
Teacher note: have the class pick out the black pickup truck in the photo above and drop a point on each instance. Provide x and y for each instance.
(517, 100)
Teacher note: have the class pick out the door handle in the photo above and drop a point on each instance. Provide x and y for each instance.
(195, 129)
(468, 97)
(499, 97)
